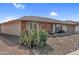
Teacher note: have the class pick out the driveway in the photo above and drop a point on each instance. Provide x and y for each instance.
(9, 45)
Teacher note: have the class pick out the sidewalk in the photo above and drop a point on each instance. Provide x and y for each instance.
(74, 53)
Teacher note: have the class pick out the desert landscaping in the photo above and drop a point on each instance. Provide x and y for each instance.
(65, 44)
(56, 45)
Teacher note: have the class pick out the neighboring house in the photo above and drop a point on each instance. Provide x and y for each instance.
(52, 26)
(76, 26)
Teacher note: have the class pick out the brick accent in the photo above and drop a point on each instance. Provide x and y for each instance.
(23, 26)
(45, 26)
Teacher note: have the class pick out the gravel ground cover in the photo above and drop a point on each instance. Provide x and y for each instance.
(60, 45)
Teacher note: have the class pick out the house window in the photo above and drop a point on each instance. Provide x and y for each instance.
(35, 26)
(32, 26)
(28, 26)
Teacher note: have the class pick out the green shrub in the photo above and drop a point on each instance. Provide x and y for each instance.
(42, 38)
(33, 38)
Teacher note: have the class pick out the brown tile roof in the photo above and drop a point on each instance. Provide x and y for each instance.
(41, 19)
(44, 19)
(77, 22)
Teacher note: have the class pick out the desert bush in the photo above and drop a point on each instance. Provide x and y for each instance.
(33, 38)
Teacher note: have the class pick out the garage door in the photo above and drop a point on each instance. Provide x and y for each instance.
(76, 28)
(70, 28)
(11, 28)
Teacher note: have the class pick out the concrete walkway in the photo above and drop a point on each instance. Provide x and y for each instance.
(74, 53)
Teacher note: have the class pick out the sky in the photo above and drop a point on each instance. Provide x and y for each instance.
(59, 11)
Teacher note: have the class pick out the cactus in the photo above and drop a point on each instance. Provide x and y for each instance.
(33, 38)
(42, 38)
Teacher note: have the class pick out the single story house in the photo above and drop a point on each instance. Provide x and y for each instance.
(52, 26)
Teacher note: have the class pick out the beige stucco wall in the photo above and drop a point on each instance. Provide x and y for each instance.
(76, 28)
(13, 28)
(70, 28)
(64, 27)
(53, 28)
